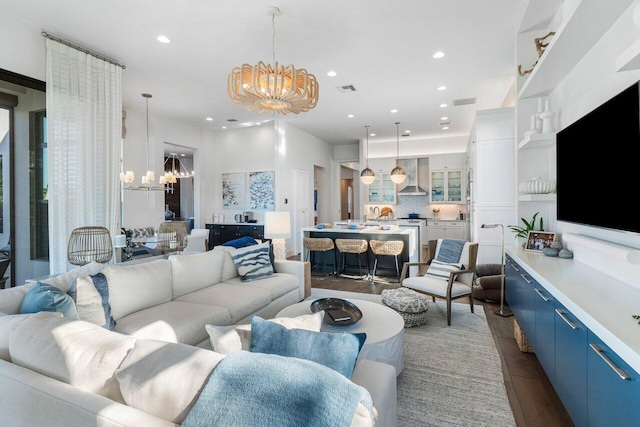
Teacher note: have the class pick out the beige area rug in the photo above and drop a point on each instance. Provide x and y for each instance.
(452, 374)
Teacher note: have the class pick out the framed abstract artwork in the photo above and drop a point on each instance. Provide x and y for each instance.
(262, 190)
(234, 190)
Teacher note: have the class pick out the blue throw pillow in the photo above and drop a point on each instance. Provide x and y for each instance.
(338, 351)
(253, 262)
(91, 296)
(43, 297)
(241, 242)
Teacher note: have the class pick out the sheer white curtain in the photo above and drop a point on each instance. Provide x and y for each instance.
(84, 127)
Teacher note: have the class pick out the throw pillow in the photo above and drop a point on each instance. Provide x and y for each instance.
(43, 297)
(91, 295)
(253, 262)
(11, 321)
(338, 351)
(232, 338)
(241, 242)
(440, 270)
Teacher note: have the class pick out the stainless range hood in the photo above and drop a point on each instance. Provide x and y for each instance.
(412, 188)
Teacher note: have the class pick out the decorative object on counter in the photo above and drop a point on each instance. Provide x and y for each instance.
(565, 253)
(540, 47)
(533, 129)
(502, 312)
(367, 176)
(523, 231)
(436, 213)
(538, 241)
(537, 185)
(550, 252)
(556, 245)
(547, 118)
(386, 212)
(398, 174)
(277, 227)
(414, 216)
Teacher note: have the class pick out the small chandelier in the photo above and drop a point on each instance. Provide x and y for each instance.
(128, 177)
(273, 87)
(398, 174)
(174, 170)
(367, 176)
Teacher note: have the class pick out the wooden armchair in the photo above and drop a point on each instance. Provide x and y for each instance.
(449, 279)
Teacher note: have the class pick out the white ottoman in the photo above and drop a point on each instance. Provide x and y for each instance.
(411, 305)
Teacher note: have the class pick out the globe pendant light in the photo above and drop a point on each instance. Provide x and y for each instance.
(398, 174)
(367, 176)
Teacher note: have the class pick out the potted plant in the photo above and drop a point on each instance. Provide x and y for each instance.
(523, 231)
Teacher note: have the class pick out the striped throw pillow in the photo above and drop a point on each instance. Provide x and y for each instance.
(440, 270)
(253, 262)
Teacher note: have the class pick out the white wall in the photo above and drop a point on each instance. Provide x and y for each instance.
(419, 147)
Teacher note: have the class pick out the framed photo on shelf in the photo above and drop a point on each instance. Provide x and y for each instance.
(538, 240)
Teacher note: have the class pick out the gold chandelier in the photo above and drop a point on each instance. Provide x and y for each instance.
(273, 87)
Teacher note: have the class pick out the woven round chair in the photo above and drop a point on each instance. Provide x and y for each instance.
(386, 248)
(322, 245)
(356, 247)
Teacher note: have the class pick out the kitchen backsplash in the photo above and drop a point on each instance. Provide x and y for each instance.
(421, 206)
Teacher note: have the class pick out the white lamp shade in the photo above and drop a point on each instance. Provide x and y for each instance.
(120, 241)
(277, 225)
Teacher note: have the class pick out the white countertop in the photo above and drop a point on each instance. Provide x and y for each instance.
(365, 230)
(604, 304)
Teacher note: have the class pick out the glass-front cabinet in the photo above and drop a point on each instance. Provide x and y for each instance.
(382, 190)
(446, 186)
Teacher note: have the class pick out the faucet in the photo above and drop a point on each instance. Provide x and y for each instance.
(376, 212)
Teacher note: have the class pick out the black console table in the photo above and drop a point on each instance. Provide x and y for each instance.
(223, 232)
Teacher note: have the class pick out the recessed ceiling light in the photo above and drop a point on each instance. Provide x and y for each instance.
(224, 127)
(444, 118)
(351, 116)
(442, 88)
(372, 134)
(445, 127)
(407, 131)
(163, 39)
(258, 123)
(394, 111)
(443, 105)
(332, 73)
(183, 155)
(438, 54)
(209, 119)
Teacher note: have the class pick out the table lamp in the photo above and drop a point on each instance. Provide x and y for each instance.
(119, 242)
(502, 312)
(277, 227)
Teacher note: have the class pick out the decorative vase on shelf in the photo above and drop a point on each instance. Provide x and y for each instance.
(537, 185)
(533, 128)
(547, 118)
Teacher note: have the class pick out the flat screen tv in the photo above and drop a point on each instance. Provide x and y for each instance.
(598, 165)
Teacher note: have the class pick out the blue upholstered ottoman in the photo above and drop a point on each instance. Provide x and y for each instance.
(411, 305)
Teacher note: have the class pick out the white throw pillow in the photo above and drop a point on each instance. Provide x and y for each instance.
(190, 273)
(229, 269)
(440, 270)
(165, 379)
(11, 299)
(11, 321)
(228, 339)
(253, 262)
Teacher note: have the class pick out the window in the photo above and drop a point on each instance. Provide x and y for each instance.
(39, 185)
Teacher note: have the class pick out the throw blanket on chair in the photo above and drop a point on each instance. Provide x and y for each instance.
(254, 389)
(450, 250)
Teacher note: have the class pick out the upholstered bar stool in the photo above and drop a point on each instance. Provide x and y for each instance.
(322, 245)
(356, 247)
(386, 248)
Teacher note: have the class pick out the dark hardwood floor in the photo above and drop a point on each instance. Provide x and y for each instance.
(533, 400)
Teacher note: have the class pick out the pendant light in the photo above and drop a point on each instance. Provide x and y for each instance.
(367, 176)
(398, 174)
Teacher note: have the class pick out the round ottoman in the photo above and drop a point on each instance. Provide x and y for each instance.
(411, 305)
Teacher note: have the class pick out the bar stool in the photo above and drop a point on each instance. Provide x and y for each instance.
(356, 247)
(322, 245)
(386, 248)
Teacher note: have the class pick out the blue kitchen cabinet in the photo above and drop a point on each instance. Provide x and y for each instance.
(543, 342)
(570, 378)
(613, 388)
(521, 297)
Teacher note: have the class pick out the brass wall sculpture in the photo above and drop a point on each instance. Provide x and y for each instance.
(540, 47)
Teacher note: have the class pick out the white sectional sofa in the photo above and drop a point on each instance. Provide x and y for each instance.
(168, 301)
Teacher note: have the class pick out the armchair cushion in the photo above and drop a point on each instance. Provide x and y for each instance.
(441, 270)
(434, 286)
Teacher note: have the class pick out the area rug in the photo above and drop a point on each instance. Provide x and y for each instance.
(452, 374)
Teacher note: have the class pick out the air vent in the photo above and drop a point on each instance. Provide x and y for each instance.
(346, 88)
(444, 123)
(232, 120)
(465, 101)
(406, 134)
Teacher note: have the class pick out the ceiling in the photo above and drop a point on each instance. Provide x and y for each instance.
(382, 48)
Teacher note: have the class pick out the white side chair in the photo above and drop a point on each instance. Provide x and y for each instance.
(197, 240)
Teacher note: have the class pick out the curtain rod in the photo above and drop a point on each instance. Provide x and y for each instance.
(81, 49)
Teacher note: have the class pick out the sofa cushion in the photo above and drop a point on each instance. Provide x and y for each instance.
(139, 286)
(165, 379)
(11, 321)
(271, 338)
(11, 299)
(240, 300)
(229, 269)
(91, 296)
(277, 284)
(253, 262)
(229, 339)
(43, 297)
(63, 280)
(174, 321)
(76, 352)
(195, 271)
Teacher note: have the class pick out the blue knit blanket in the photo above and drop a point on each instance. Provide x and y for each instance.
(255, 389)
(450, 250)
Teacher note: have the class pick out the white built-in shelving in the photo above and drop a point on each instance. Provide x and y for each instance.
(538, 140)
(551, 197)
(630, 58)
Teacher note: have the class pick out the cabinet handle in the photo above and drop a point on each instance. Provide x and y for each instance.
(525, 279)
(545, 299)
(619, 372)
(563, 317)
(513, 264)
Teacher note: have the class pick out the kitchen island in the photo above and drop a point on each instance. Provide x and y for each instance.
(408, 235)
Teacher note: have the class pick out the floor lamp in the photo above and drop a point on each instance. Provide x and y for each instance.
(502, 312)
